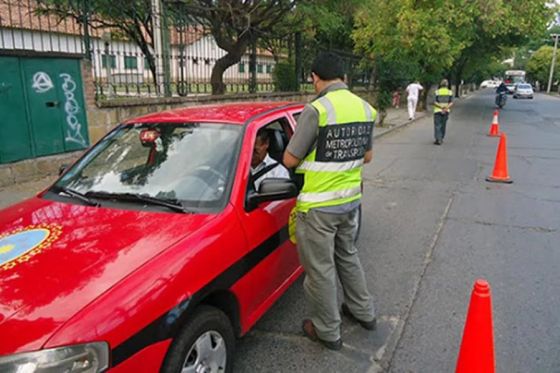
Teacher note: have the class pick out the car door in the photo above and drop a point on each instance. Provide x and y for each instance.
(266, 231)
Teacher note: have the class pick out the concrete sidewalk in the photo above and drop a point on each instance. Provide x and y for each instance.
(396, 118)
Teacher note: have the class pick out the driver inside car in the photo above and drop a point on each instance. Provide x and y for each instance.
(263, 166)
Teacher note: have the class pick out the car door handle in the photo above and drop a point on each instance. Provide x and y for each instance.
(52, 103)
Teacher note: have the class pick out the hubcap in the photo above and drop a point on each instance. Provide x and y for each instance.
(207, 354)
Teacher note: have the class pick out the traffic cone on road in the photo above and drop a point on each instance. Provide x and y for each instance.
(500, 173)
(477, 348)
(494, 127)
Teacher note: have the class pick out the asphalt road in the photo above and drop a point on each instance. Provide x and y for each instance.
(432, 225)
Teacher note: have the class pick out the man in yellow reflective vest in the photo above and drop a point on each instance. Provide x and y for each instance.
(332, 141)
(442, 105)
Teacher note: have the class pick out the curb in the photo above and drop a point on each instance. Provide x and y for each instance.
(398, 126)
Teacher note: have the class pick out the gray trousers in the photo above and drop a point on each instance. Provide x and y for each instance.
(440, 122)
(326, 249)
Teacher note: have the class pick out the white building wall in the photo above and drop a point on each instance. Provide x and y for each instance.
(40, 41)
(200, 57)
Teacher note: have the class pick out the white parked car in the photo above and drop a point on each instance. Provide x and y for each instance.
(523, 90)
(489, 84)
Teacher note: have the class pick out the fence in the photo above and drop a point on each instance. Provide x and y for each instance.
(141, 50)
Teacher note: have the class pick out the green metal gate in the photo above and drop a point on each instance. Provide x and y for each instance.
(42, 109)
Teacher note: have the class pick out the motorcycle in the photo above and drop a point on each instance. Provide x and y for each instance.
(501, 99)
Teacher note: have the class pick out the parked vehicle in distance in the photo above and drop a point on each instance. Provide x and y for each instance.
(490, 84)
(154, 250)
(523, 90)
(512, 78)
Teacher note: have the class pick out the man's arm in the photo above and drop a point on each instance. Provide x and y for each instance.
(290, 160)
(303, 139)
(368, 156)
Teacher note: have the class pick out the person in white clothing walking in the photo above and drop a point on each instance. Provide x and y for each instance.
(413, 90)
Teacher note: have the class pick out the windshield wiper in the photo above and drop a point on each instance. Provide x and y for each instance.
(171, 204)
(75, 194)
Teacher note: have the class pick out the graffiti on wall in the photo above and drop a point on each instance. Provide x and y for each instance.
(42, 82)
(71, 108)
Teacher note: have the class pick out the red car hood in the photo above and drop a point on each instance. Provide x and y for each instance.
(55, 258)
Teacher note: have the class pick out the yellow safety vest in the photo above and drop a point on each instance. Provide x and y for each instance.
(443, 98)
(333, 170)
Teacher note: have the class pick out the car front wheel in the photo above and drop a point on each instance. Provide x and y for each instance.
(204, 345)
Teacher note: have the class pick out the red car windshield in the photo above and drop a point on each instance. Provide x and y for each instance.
(191, 163)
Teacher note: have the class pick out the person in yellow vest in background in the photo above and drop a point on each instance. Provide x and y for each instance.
(442, 106)
(332, 141)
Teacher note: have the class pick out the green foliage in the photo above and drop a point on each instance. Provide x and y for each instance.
(433, 39)
(383, 100)
(486, 69)
(329, 23)
(538, 66)
(284, 77)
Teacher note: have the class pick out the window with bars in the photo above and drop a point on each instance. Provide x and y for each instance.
(259, 68)
(130, 62)
(112, 61)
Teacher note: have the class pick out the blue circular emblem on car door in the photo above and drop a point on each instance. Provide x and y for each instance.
(17, 244)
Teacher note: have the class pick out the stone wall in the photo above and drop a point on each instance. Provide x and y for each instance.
(106, 114)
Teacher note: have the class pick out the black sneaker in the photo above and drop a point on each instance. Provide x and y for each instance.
(309, 331)
(369, 325)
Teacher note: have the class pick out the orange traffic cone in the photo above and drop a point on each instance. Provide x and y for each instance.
(477, 347)
(495, 127)
(500, 173)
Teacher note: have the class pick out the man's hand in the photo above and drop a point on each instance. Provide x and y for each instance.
(368, 156)
(290, 160)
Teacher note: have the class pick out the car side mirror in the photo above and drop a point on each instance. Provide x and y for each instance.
(63, 167)
(272, 189)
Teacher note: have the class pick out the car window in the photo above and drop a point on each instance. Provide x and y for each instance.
(190, 162)
(524, 86)
(278, 133)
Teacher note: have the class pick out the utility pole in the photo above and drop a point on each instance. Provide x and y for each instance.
(106, 37)
(555, 36)
(85, 21)
(161, 47)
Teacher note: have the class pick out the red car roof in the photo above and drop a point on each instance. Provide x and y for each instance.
(234, 113)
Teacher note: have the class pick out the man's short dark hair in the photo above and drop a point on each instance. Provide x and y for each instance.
(263, 134)
(328, 66)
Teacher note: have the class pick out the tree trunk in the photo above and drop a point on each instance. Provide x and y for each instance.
(151, 64)
(457, 89)
(458, 77)
(424, 96)
(231, 58)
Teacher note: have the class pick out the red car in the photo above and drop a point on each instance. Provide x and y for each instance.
(153, 251)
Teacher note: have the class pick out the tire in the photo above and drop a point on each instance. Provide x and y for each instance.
(208, 327)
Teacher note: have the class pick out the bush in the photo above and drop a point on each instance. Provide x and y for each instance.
(284, 77)
(383, 100)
